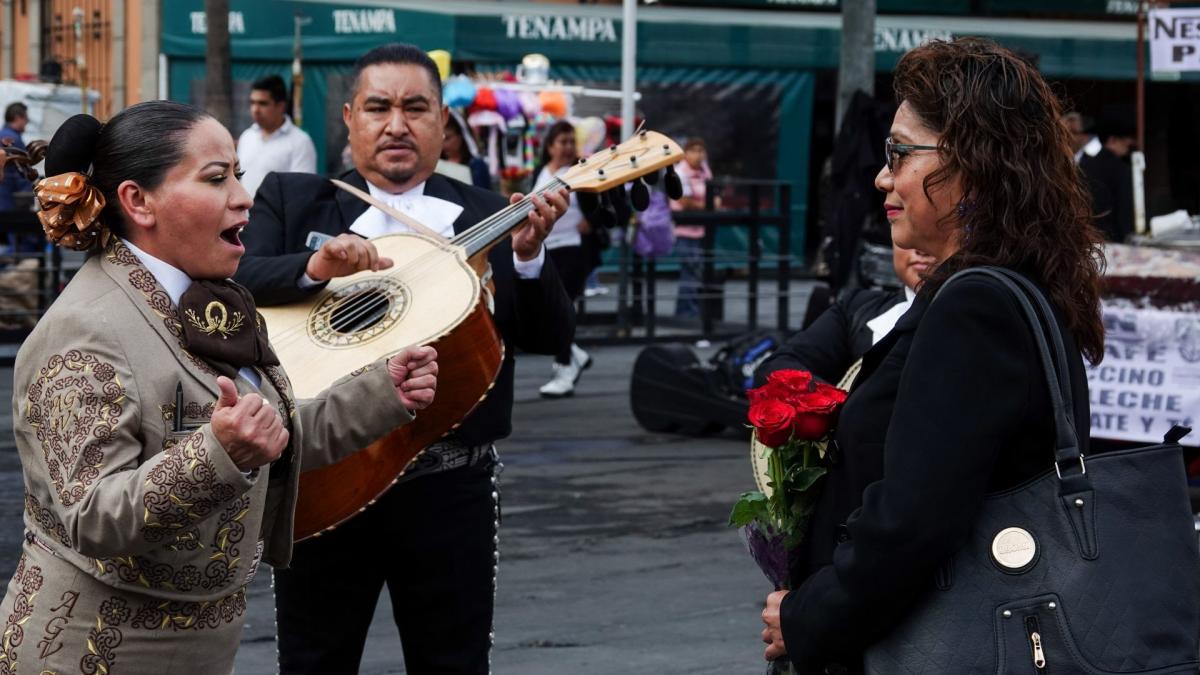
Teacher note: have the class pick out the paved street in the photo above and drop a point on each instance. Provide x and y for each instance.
(615, 557)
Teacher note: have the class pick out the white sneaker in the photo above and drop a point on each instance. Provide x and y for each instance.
(580, 359)
(563, 382)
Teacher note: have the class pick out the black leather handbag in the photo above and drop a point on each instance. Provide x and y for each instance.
(1092, 567)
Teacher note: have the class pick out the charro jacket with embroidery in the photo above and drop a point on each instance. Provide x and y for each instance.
(133, 488)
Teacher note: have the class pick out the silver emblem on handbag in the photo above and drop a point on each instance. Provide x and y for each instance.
(1014, 549)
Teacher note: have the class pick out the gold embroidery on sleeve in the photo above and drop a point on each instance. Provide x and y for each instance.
(74, 406)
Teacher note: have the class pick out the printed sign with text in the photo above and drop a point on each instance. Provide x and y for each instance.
(1174, 39)
(1149, 379)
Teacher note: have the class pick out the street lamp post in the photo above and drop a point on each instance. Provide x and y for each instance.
(298, 71)
(628, 84)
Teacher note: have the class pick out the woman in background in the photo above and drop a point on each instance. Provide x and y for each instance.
(459, 148)
(564, 245)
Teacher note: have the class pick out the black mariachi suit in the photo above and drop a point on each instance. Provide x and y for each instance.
(949, 406)
(838, 338)
(431, 540)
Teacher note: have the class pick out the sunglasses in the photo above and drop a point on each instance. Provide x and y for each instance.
(892, 152)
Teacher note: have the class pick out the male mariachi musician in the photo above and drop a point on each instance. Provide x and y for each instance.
(432, 537)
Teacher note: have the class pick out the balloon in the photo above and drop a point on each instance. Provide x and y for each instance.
(589, 134)
(459, 92)
(442, 58)
(553, 103)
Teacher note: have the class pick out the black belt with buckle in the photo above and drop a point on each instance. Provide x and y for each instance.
(447, 455)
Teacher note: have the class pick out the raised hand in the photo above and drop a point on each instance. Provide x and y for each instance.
(251, 430)
(344, 255)
(527, 239)
(414, 375)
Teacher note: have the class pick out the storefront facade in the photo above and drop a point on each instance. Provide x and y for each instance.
(754, 72)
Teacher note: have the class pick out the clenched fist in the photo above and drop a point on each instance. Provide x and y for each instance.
(250, 429)
(344, 255)
(414, 375)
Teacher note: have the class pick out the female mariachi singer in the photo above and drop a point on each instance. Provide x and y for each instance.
(159, 440)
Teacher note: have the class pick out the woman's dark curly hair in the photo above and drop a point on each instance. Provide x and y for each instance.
(1024, 205)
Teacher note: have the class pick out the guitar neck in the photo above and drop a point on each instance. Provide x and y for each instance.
(646, 152)
(483, 235)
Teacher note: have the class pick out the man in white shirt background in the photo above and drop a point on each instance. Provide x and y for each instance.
(272, 143)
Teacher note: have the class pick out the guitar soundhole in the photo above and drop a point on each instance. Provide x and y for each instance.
(358, 313)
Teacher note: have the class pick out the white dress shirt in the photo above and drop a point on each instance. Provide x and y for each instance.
(884, 323)
(176, 282)
(436, 214)
(1091, 149)
(288, 148)
(566, 228)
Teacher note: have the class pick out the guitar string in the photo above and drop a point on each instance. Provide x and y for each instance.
(361, 304)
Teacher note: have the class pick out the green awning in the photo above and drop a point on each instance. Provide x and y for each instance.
(590, 34)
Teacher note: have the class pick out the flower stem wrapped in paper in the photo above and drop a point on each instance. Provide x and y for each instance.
(792, 415)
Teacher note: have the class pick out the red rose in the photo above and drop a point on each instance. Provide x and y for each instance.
(772, 422)
(783, 385)
(810, 426)
(794, 380)
(816, 411)
(768, 392)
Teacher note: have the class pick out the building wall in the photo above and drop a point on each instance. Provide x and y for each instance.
(20, 43)
(118, 42)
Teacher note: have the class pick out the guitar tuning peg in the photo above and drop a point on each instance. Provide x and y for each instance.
(651, 178)
(639, 195)
(605, 216)
(673, 185)
(618, 199)
(588, 201)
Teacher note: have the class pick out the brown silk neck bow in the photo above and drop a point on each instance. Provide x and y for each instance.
(221, 326)
(70, 207)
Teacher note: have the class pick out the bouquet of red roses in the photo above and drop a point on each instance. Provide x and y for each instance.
(791, 415)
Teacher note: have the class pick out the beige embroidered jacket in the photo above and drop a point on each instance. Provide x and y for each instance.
(123, 476)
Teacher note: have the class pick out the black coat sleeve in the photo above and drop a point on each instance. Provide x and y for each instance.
(827, 348)
(270, 273)
(971, 379)
(543, 317)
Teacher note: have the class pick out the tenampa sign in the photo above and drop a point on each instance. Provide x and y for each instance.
(559, 28)
(1174, 39)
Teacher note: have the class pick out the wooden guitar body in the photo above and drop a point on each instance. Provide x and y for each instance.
(430, 296)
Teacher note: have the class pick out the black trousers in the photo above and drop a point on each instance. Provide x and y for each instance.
(572, 265)
(432, 542)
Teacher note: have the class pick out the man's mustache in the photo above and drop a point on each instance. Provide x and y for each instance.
(396, 145)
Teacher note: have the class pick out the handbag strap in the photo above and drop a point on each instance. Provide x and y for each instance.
(1051, 324)
(1066, 445)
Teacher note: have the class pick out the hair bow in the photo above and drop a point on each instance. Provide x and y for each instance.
(70, 208)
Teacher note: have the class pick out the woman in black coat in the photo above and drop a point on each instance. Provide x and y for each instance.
(951, 405)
